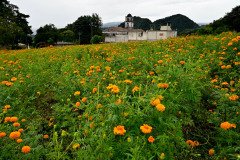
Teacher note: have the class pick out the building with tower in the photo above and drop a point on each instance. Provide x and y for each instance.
(129, 21)
(128, 33)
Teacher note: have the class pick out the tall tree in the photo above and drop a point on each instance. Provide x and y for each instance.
(14, 27)
(47, 34)
(85, 27)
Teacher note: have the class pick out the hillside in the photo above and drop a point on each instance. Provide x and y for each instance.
(178, 22)
(229, 22)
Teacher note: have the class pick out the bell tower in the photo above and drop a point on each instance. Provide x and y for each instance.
(129, 21)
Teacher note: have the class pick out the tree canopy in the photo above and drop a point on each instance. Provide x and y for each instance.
(47, 34)
(14, 27)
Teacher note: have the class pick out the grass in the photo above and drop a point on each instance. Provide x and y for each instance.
(89, 102)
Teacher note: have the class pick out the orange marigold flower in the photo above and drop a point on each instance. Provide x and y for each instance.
(15, 135)
(23, 120)
(7, 106)
(108, 68)
(151, 73)
(160, 61)
(163, 85)
(13, 79)
(211, 152)
(7, 119)
(225, 83)
(19, 140)
(233, 97)
(127, 81)
(155, 102)
(13, 119)
(94, 90)
(135, 89)
(77, 93)
(160, 107)
(26, 149)
(8, 84)
(146, 129)
(190, 143)
(16, 124)
(151, 139)
(225, 125)
(45, 136)
(77, 104)
(20, 130)
(182, 62)
(119, 130)
(84, 99)
(113, 88)
(2, 134)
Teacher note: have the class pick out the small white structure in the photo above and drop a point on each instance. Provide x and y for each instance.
(119, 34)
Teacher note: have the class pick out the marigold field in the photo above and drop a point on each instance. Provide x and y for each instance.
(171, 99)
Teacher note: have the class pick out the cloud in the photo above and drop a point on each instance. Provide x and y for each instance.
(63, 12)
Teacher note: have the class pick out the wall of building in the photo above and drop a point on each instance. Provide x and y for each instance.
(141, 36)
(117, 38)
(137, 36)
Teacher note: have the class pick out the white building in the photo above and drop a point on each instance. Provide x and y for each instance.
(119, 34)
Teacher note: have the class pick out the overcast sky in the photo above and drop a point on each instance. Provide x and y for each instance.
(62, 12)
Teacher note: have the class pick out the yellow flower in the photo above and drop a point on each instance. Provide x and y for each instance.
(76, 146)
(127, 81)
(113, 88)
(135, 89)
(119, 130)
(155, 102)
(146, 129)
(77, 93)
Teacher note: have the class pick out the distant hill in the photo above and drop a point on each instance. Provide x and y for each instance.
(178, 22)
(110, 24)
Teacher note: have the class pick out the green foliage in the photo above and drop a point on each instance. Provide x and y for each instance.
(14, 27)
(47, 34)
(96, 39)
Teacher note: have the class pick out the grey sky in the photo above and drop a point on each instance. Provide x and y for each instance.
(62, 12)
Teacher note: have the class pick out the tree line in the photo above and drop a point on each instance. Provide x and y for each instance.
(14, 29)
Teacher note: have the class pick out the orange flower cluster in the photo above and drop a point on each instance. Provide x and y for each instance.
(157, 103)
(119, 130)
(113, 88)
(146, 128)
(227, 125)
(192, 143)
